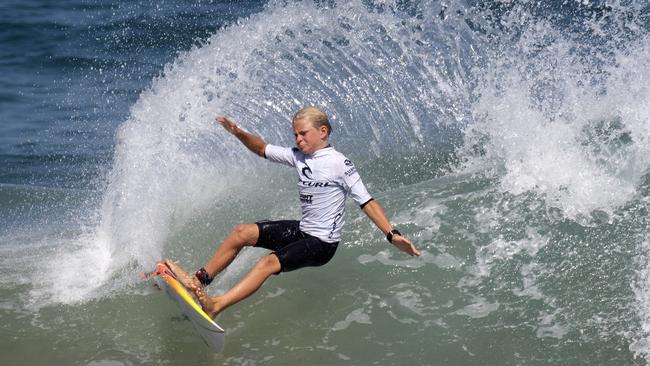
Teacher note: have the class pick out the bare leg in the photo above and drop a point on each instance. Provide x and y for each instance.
(264, 268)
(242, 235)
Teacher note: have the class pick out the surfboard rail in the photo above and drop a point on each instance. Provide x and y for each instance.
(211, 333)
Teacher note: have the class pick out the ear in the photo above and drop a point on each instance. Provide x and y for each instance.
(323, 132)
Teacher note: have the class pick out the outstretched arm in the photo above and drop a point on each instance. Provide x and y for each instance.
(376, 213)
(252, 142)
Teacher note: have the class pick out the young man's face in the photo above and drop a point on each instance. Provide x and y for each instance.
(309, 138)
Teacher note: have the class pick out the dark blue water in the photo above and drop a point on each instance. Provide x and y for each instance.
(508, 139)
(72, 69)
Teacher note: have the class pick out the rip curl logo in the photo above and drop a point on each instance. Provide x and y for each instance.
(306, 172)
(347, 162)
(314, 184)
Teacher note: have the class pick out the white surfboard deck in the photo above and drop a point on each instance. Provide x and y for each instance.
(213, 335)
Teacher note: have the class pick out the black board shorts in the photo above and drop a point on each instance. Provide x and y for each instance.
(294, 248)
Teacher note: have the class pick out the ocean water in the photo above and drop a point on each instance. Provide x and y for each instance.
(507, 139)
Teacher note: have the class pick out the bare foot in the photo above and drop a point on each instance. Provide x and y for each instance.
(211, 305)
(187, 280)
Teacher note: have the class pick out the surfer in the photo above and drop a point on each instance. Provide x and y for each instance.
(325, 178)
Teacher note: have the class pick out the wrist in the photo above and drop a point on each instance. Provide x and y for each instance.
(390, 234)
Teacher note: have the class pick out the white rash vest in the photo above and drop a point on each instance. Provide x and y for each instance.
(325, 178)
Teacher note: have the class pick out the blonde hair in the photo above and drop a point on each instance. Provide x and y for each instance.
(314, 115)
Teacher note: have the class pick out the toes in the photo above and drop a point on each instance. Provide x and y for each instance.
(199, 294)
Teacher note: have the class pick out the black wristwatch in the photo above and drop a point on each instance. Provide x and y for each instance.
(203, 276)
(390, 234)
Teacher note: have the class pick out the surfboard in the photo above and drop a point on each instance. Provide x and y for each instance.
(211, 333)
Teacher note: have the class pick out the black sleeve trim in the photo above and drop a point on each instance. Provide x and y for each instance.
(365, 203)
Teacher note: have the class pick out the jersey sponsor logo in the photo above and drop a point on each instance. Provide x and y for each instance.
(314, 184)
(306, 198)
(306, 172)
(335, 224)
(350, 171)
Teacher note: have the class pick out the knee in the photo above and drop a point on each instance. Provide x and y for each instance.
(269, 264)
(246, 233)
